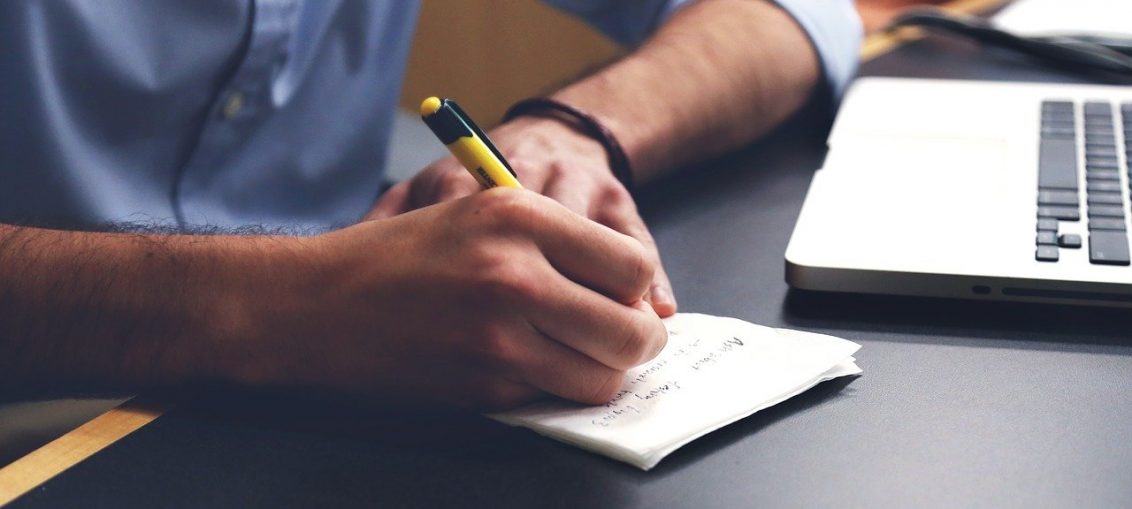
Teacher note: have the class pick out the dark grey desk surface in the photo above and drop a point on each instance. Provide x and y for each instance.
(961, 404)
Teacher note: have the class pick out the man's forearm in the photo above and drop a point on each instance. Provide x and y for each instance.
(716, 76)
(115, 310)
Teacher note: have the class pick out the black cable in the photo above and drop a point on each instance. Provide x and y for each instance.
(1085, 52)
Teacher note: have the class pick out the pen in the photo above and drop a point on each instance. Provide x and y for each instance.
(468, 143)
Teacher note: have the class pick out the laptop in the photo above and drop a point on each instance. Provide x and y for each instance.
(972, 189)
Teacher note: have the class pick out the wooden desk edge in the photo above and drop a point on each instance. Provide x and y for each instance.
(881, 42)
(39, 466)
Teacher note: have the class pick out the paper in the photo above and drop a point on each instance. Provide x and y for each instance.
(714, 371)
(1111, 18)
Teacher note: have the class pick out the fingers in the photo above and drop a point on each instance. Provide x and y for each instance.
(454, 184)
(616, 335)
(394, 201)
(557, 369)
(583, 250)
(444, 180)
(615, 209)
(620, 213)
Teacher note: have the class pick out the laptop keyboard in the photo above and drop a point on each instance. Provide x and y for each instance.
(1067, 140)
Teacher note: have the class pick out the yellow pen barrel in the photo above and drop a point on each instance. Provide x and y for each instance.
(468, 143)
(482, 163)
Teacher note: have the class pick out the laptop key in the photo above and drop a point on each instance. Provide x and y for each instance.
(1103, 186)
(1102, 163)
(1101, 198)
(1057, 164)
(1108, 248)
(1106, 211)
(1046, 254)
(1097, 109)
(1106, 223)
(1101, 174)
(1047, 239)
(1069, 240)
(1060, 212)
(1095, 152)
(1058, 132)
(1047, 224)
(1058, 121)
(1051, 112)
(1105, 168)
(1057, 197)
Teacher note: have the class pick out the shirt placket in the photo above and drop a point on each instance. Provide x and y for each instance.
(242, 103)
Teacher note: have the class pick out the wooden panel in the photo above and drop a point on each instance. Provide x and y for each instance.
(487, 54)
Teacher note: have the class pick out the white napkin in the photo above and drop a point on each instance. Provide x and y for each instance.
(714, 371)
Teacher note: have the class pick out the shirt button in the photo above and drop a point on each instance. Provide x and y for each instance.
(233, 105)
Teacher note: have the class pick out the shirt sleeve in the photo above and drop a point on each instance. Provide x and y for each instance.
(628, 22)
(832, 26)
(835, 30)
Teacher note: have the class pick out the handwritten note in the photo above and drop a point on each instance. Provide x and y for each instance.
(714, 371)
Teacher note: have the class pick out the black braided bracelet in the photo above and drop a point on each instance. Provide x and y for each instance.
(584, 122)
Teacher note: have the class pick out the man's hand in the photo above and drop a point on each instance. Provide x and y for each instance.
(553, 159)
(486, 301)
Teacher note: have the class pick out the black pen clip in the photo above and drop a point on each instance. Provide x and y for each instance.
(475, 129)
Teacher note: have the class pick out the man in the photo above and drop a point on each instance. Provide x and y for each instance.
(207, 117)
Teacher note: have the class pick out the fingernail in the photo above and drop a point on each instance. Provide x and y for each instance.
(661, 295)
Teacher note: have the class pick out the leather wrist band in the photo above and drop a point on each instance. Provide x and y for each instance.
(584, 122)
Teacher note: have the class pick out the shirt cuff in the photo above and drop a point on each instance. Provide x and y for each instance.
(835, 30)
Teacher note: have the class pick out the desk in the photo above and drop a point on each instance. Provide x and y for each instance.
(961, 404)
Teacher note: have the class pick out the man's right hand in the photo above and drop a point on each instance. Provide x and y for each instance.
(487, 301)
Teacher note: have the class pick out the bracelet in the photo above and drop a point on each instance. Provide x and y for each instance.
(584, 122)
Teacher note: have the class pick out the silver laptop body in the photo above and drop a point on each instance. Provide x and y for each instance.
(972, 190)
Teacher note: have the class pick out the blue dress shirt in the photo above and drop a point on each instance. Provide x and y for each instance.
(237, 112)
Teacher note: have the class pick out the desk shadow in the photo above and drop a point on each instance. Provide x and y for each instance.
(1035, 325)
(391, 428)
(388, 456)
(691, 454)
(434, 458)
